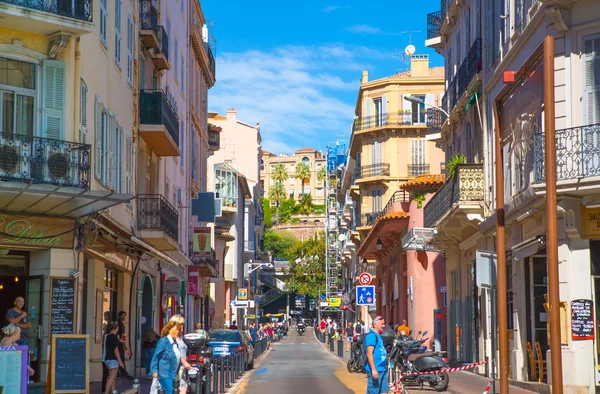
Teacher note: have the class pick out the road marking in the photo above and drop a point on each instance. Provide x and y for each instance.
(260, 371)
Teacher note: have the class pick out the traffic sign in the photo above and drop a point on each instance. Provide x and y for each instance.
(250, 317)
(346, 298)
(211, 311)
(365, 279)
(242, 294)
(335, 301)
(242, 304)
(365, 295)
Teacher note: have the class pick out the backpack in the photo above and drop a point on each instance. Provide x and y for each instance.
(363, 357)
(358, 328)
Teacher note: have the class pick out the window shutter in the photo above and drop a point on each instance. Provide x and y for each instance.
(83, 122)
(592, 80)
(53, 103)
(128, 164)
(103, 21)
(98, 139)
(119, 159)
(385, 116)
(110, 158)
(118, 31)
(130, 44)
(367, 120)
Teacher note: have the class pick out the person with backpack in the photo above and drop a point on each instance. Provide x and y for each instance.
(374, 359)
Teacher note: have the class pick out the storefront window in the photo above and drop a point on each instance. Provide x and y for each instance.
(109, 307)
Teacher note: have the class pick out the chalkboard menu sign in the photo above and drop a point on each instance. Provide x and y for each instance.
(582, 319)
(69, 364)
(13, 369)
(62, 305)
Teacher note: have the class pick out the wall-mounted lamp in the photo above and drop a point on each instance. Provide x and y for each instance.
(16, 279)
(541, 239)
(365, 264)
(1, 286)
(379, 244)
(74, 274)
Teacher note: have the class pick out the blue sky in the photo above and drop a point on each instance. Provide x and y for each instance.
(295, 67)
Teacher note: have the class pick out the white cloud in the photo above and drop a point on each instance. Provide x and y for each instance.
(295, 93)
(331, 8)
(364, 29)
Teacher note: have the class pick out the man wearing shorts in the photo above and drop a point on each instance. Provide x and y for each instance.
(349, 336)
(376, 367)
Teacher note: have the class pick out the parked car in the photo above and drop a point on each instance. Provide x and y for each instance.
(228, 342)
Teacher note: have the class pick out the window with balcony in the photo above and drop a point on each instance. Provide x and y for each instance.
(376, 196)
(418, 156)
(226, 184)
(591, 97)
(378, 112)
(418, 110)
(108, 147)
(17, 97)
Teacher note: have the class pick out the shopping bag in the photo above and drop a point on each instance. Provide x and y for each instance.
(155, 386)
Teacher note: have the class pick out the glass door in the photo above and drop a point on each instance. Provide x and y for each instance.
(35, 308)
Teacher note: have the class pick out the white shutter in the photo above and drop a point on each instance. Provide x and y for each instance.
(118, 32)
(110, 152)
(98, 139)
(53, 102)
(384, 115)
(367, 121)
(130, 43)
(118, 186)
(128, 165)
(592, 80)
(83, 121)
(103, 22)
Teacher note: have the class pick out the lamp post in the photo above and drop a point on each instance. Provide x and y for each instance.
(414, 99)
(250, 270)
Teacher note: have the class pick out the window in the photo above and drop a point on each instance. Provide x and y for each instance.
(291, 193)
(591, 97)
(176, 51)
(128, 166)
(182, 143)
(418, 110)
(118, 157)
(489, 28)
(418, 151)
(505, 19)
(118, 32)
(130, 44)
(108, 136)
(468, 29)
(109, 306)
(449, 68)
(182, 73)
(376, 153)
(378, 112)
(518, 14)
(376, 203)
(458, 49)
(226, 184)
(195, 157)
(83, 127)
(104, 22)
(17, 97)
(509, 296)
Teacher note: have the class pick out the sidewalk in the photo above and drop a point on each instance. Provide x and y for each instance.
(122, 386)
(470, 383)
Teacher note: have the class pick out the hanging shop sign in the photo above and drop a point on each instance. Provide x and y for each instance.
(193, 281)
(202, 242)
(590, 222)
(37, 231)
(242, 294)
(582, 320)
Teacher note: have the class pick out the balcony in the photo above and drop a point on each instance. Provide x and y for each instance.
(211, 60)
(390, 119)
(464, 192)
(149, 25)
(37, 160)
(577, 154)
(48, 16)
(435, 121)
(434, 25)
(396, 203)
(159, 124)
(418, 169)
(369, 219)
(157, 218)
(214, 137)
(376, 171)
(465, 80)
(160, 54)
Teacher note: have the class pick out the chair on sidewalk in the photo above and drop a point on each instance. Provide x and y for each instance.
(533, 365)
(541, 362)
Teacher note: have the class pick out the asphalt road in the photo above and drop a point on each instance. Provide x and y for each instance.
(300, 364)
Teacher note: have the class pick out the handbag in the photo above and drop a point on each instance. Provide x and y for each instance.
(155, 386)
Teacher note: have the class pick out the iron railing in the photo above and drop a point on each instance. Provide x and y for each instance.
(435, 120)
(461, 78)
(468, 69)
(369, 219)
(148, 16)
(211, 59)
(434, 24)
(399, 196)
(452, 94)
(80, 9)
(418, 169)
(474, 60)
(44, 160)
(156, 109)
(156, 213)
(214, 139)
(467, 185)
(577, 153)
(163, 37)
(380, 169)
(400, 118)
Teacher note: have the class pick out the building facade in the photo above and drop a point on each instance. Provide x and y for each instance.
(505, 39)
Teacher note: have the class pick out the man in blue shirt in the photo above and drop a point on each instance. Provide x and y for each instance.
(376, 359)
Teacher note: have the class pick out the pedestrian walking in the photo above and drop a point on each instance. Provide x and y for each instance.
(349, 336)
(148, 347)
(358, 327)
(376, 367)
(111, 356)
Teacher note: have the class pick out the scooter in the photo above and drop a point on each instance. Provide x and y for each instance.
(300, 328)
(353, 365)
(407, 356)
(200, 357)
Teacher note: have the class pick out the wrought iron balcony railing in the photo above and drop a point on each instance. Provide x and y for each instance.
(434, 24)
(467, 185)
(399, 196)
(80, 9)
(468, 69)
(214, 139)
(435, 120)
(211, 59)
(400, 118)
(164, 41)
(156, 213)
(474, 60)
(156, 109)
(44, 160)
(418, 169)
(577, 153)
(148, 16)
(369, 219)
(380, 169)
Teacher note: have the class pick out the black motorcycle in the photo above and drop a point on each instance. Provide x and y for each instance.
(356, 352)
(200, 356)
(407, 357)
(300, 328)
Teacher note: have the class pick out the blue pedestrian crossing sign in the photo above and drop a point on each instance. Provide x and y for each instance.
(365, 295)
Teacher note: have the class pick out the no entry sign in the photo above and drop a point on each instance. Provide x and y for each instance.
(365, 279)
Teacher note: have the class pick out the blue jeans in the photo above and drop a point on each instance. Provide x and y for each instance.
(378, 386)
(148, 353)
(166, 384)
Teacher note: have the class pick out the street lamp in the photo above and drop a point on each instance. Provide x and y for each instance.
(414, 99)
(268, 265)
(379, 244)
(365, 264)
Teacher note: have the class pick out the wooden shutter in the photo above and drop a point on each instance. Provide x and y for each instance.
(130, 44)
(118, 31)
(128, 165)
(103, 21)
(591, 96)
(110, 152)
(98, 134)
(53, 102)
(83, 121)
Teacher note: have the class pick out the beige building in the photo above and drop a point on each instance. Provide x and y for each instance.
(313, 158)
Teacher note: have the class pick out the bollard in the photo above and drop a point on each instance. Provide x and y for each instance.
(206, 379)
(226, 367)
(341, 347)
(331, 343)
(242, 364)
(235, 367)
(231, 373)
(221, 377)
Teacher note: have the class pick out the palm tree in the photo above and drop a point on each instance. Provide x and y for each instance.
(277, 193)
(303, 174)
(306, 204)
(280, 173)
(322, 174)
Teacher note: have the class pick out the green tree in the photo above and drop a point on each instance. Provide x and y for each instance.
(281, 244)
(302, 174)
(266, 206)
(280, 173)
(306, 206)
(287, 209)
(277, 193)
(322, 174)
(307, 268)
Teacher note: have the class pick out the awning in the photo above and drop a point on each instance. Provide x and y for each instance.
(388, 229)
(51, 200)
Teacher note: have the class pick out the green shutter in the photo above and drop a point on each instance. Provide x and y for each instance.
(53, 99)
(591, 60)
(98, 139)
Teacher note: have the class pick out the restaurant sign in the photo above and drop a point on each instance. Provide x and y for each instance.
(36, 231)
(590, 222)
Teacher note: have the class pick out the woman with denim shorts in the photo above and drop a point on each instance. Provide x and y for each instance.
(111, 356)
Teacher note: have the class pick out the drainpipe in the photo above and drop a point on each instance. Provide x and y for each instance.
(76, 89)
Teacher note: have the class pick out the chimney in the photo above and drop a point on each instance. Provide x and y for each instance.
(365, 77)
(257, 126)
(419, 66)
(232, 114)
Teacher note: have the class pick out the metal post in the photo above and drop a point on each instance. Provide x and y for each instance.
(341, 347)
(227, 372)
(412, 305)
(221, 376)
(501, 258)
(552, 231)
(493, 323)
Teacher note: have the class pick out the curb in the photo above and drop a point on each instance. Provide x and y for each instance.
(327, 350)
(246, 375)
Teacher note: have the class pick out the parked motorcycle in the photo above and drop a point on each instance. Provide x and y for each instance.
(407, 356)
(300, 328)
(200, 356)
(353, 365)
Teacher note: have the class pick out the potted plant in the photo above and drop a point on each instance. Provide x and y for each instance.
(58, 165)
(452, 164)
(8, 158)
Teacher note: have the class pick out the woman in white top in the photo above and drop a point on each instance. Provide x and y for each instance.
(183, 351)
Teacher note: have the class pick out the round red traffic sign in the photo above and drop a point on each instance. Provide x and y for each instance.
(211, 311)
(365, 279)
